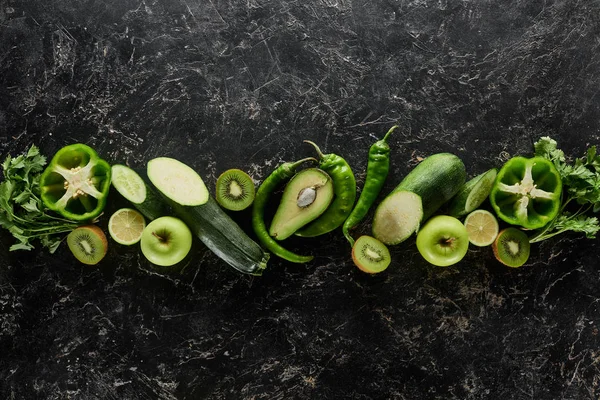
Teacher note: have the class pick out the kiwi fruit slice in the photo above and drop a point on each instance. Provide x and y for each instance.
(511, 247)
(370, 255)
(235, 190)
(88, 244)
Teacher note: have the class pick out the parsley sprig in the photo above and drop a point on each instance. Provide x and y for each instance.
(22, 211)
(581, 191)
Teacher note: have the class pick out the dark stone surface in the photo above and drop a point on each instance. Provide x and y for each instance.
(222, 84)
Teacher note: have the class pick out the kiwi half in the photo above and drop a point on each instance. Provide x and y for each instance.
(88, 244)
(370, 255)
(235, 190)
(511, 247)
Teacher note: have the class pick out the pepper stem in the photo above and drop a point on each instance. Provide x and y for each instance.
(296, 164)
(319, 152)
(392, 129)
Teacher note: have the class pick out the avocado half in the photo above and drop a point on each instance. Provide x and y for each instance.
(306, 196)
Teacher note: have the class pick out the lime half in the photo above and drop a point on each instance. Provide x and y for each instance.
(128, 183)
(482, 227)
(126, 225)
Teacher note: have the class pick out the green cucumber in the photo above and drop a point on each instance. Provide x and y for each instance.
(435, 181)
(185, 192)
(472, 194)
(134, 189)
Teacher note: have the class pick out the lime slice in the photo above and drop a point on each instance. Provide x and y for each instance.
(482, 227)
(473, 193)
(126, 225)
(129, 183)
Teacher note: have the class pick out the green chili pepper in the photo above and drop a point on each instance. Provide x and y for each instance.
(76, 183)
(377, 171)
(344, 187)
(527, 192)
(284, 172)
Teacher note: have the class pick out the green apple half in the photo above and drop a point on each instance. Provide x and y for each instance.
(166, 241)
(443, 241)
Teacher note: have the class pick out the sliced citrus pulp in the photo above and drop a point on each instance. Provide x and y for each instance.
(126, 225)
(482, 227)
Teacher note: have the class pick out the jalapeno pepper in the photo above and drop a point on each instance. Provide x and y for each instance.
(527, 192)
(344, 187)
(377, 171)
(75, 183)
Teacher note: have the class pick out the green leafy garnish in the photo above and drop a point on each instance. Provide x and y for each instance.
(22, 212)
(581, 191)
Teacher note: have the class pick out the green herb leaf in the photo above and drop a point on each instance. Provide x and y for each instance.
(21, 246)
(579, 223)
(591, 154)
(4, 221)
(22, 197)
(6, 164)
(31, 206)
(51, 242)
(581, 183)
(21, 210)
(547, 147)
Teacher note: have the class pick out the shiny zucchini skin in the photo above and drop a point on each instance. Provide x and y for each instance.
(223, 236)
(436, 179)
(152, 207)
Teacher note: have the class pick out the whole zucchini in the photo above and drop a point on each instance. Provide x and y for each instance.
(189, 198)
(420, 194)
(436, 179)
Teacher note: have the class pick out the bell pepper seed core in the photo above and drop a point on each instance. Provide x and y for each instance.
(525, 190)
(77, 183)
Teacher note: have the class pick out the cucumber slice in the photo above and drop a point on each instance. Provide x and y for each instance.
(177, 181)
(397, 217)
(128, 183)
(472, 194)
(134, 189)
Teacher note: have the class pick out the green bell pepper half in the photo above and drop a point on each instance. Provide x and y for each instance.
(76, 182)
(527, 192)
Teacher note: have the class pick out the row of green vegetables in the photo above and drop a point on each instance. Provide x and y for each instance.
(531, 197)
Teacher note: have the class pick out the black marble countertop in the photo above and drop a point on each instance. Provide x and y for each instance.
(224, 84)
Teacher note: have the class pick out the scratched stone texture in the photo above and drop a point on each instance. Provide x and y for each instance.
(225, 84)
